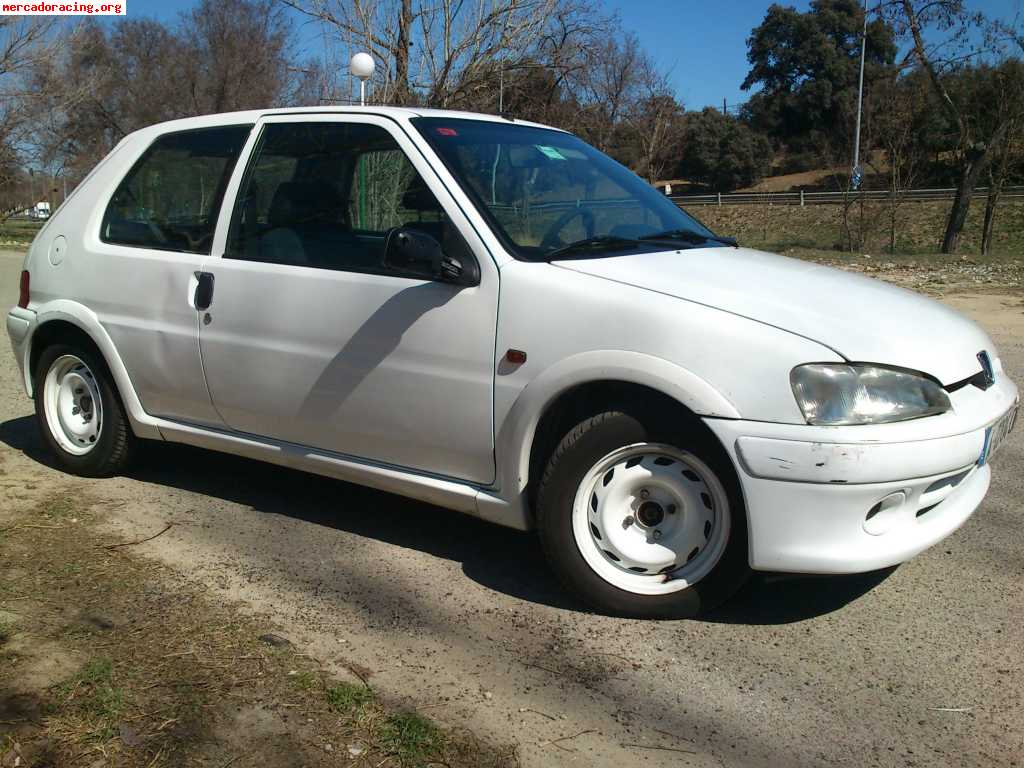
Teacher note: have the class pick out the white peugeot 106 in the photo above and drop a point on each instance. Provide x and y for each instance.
(492, 316)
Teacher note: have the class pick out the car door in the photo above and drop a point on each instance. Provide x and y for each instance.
(156, 231)
(310, 340)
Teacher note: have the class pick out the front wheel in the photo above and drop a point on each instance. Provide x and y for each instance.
(643, 522)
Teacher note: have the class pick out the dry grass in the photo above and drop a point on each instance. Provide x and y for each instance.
(781, 228)
(18, 232)
(786, 182)
(151, 672)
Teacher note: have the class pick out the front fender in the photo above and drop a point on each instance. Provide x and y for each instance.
(519, 425)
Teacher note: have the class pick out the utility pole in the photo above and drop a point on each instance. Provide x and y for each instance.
(855, 178)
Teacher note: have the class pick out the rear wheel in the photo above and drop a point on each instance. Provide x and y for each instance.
(80, 415)
(643, 521)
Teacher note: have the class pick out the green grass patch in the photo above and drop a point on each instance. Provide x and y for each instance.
(305, 680)
(349, 698)
(69, 569)
(92, 693)
(97, 671)
(411, 738)
(59, 506)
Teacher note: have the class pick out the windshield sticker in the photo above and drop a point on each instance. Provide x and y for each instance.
(551, 152)
(447, 132)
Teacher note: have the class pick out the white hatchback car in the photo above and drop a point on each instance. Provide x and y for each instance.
(492, 316)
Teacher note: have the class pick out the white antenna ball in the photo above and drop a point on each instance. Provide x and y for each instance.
(361, 65)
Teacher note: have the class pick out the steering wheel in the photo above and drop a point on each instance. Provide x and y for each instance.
(157, 231)
(197, 243)
(551, 238)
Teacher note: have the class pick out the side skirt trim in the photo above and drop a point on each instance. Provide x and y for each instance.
(451, 494)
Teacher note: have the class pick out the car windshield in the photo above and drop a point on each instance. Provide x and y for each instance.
(549, 195)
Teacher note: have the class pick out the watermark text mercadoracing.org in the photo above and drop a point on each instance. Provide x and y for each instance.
(42, 8)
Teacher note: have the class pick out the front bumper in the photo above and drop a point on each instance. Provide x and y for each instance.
(20, 325)
(854, 499)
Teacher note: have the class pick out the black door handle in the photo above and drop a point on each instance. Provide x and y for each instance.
(204, 291)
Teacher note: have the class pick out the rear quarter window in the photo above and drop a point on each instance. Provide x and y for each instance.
(171, 197)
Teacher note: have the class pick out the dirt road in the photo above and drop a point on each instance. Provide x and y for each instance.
(919, 666)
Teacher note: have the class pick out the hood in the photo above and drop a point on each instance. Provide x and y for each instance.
(863, 319)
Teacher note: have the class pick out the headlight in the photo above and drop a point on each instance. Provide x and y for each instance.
(837, 394)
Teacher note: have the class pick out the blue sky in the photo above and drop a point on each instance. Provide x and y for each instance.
(705, 43)
(702, 42)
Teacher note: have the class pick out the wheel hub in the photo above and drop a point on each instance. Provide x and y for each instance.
(650, 514)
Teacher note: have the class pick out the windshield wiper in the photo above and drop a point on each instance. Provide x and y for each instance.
(689, 236)
(602, 242)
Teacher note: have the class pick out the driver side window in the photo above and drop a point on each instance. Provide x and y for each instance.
(171, 197)
(327, 195)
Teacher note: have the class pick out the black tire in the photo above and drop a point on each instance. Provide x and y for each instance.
(586, 444)
(115, 445)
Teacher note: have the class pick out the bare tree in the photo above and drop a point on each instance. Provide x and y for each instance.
(656, 123)
(445, 53)
(24, 42)
(558, 61)
(110, 81)
(902, 107)
(1009, 98)
(835, 149)
(237, 55)
(612, 86)
(975, 148)
(105, 83)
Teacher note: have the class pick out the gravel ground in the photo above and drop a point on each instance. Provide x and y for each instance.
(921, 665)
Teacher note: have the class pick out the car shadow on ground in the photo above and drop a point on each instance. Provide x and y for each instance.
(783, 598)
(504, 560)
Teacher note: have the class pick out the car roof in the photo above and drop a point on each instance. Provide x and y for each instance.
(398, 113)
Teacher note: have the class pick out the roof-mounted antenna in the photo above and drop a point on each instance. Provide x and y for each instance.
(361, 65)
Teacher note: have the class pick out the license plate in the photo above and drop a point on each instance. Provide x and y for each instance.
(995, 435)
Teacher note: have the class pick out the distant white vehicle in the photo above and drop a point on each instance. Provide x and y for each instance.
(492, 316)
(40, 210)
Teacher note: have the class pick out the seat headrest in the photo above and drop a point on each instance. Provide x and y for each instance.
(304, 201)
(419, 198)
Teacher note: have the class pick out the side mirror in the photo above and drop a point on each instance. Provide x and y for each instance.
(415, 252)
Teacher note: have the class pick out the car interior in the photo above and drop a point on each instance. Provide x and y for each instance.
(327, 195)
(171, 197)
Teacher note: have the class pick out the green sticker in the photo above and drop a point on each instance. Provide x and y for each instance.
(551, 152)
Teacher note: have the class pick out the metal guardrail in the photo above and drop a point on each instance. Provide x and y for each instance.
(829, 198)
(748, 198)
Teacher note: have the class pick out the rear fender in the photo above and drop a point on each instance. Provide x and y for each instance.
(144, 425)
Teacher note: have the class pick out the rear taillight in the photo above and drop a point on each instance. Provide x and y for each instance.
(23, 294)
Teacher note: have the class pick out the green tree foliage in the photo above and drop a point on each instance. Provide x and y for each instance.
(722, 152)
(806, 64)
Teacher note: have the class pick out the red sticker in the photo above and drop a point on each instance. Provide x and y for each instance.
(447, 132)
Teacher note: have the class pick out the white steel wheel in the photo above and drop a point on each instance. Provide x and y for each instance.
(73, 405)
(651, 519)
